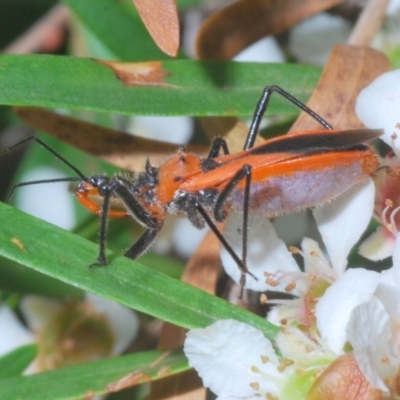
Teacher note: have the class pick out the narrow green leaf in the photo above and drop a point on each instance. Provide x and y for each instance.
(96, 378)
(65, 256)
(17, 278)
(15, 363)
(182, 88)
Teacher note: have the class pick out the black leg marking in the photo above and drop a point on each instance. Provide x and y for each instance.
(102, 259)
(216, 147)
(262, 106)
(244, 172)
(240, 263)
(142, 244)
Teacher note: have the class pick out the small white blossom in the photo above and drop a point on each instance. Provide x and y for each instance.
(383, 97)
(234, 360)
(340, 222)
(374, 330)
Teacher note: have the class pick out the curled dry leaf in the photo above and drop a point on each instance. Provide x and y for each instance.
(118, 148)
(348, 70)
(229, 31)
(161, 20)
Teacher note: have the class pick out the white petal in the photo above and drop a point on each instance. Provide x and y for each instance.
(334, 309)
(226, 354)
(123, 321)
(378, 106)
(342, 222)
(186, 238)
(369, 333)
(170, 129)
(377, 246)
(391, 276)
(264, 50)
(296, 345)
(314, 259)
(389, 296)
(265, 251)
(396, 253)
(12, 333)
(311, 40)
(56, 207)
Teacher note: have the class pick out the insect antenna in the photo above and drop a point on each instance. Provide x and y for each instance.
(80, 176)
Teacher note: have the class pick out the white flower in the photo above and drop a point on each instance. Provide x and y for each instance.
(378, 106)
(374, 330)
(334, 308)
(235, 360)
(69, 333)
(340, 222)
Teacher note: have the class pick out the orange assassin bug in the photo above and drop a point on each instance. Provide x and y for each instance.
(282, 175)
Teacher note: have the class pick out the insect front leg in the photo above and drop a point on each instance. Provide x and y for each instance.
(120, 188)
(102, 258)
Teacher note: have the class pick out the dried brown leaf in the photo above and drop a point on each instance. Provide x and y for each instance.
(150, 73)
(185, 386)
(118, 148)
(230, 30)
(161, 20)
(348, 70)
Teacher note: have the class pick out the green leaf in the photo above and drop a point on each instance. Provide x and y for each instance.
(16, 362)
(179, 87)
(17, 278)
(94, 378)
(65, 256)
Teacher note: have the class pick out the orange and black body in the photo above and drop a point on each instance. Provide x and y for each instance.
(282, 175)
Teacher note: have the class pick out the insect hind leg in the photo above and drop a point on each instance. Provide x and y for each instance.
(262, 107)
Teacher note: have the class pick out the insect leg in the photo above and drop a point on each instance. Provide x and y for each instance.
(223, 241)
(142, 244)
(119, 188)
(101, 258)
(262, 106)
(216, 147)
(220, 215)
(244, 172)
(21, 184)
(49, 149)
